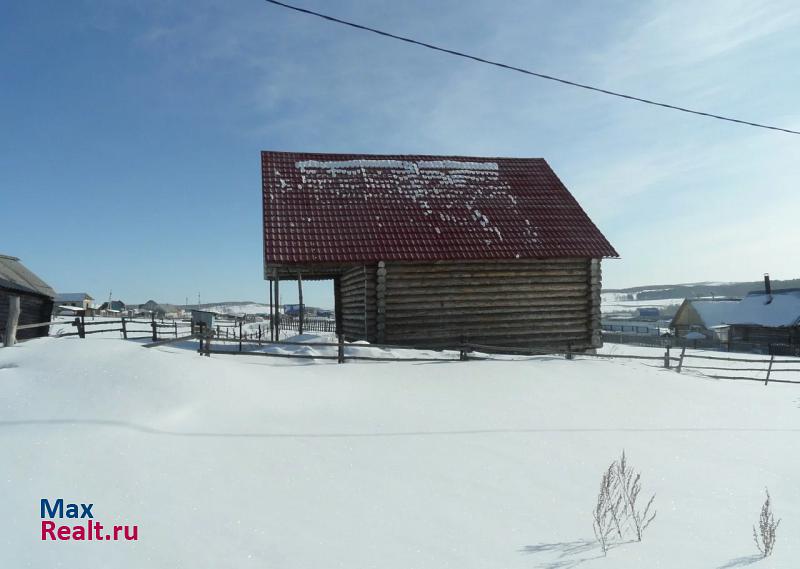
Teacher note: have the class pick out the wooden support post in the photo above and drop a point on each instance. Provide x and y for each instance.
(337, 304)
(300, 300)
(154, 326)
(12, 321)
(769, 369)
(271, 314)
(259, 335)
(240, 335)
(680, 363)
(277, 309)
(569, 351)
(82, 328)
(124, 329)
(462, 351)
(175, 323)
(666, 358)
(340, 351)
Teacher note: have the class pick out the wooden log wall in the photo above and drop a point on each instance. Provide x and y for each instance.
(525, 303)
(358, 303)
(33, 308)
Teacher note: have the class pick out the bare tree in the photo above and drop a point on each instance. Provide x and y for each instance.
(629, 486)
(767, 528)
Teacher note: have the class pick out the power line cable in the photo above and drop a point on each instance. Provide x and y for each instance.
(526, 71)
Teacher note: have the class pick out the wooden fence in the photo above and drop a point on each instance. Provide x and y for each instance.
(463, 352)
(132, 328)
(704, 344)
(783, 366)
(248, 341)
(310, 324)
(672, 359)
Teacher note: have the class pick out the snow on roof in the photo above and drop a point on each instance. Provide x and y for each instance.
(753, 310)
(363, 208)
(782, 311)
(715, 312)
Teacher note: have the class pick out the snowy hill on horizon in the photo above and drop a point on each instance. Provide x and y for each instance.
(697, 290)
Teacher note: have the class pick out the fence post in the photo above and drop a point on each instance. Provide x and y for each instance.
(340, 355)
(13, 320)
(175, 323)
(82, 328)
(259, 335)
(154, 326)
(124, 329)
(666, 359)
(569, 351)
(240, 335)
(680, 363)
(769, 369)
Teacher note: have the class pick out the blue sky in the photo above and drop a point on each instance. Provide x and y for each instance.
(131, 130)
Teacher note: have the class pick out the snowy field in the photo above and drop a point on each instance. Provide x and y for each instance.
(234, 461)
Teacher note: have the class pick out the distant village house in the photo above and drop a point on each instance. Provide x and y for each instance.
(79, 300)
(762, 319)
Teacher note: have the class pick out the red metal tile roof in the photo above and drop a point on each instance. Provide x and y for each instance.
(341, 208)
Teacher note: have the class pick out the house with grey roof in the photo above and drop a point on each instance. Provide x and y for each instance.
(78, 300)
(36, 297)
(703, 316)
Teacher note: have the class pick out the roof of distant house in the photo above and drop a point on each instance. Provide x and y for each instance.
(16, 276)
(715, 312)
(73, 297)
(364, 208)
(153, 306)
(781, 311)
(753, 310)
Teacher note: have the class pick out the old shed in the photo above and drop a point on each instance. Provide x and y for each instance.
(437, 250)
(36, 297)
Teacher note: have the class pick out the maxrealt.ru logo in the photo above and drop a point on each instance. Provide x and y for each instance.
(88, 529)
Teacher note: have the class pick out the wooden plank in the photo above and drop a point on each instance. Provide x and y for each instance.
(763, 360)
(40, 324)
(737, 377)
(169, 341)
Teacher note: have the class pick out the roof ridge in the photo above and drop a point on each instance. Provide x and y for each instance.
(399, 155)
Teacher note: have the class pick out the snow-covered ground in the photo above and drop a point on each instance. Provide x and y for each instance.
(234, 461)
